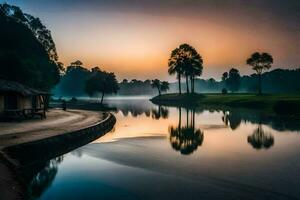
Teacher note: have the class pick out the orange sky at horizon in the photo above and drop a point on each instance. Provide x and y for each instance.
(141, 48)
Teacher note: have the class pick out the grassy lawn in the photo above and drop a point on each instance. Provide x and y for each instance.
(281, 103)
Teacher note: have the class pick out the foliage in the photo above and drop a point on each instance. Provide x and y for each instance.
(160, 85)
(186, 61)
(233, 80)
(135, 87)
(73, 81)
(101, 82)
(39, 30)
(24, 54)
(260, 62)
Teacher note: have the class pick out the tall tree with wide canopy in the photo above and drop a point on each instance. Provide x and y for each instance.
(233, 81)
(27, 51)
(186, 61)
(38, 29)
(175, 66)
(73, 81)
(259, 63)
(101, 82)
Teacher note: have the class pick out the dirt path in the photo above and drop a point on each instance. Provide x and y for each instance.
(57, 122)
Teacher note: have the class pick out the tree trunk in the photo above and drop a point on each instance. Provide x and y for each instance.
(179, 83)
(159, 93)
(193, 119)
(187, 84)
(102, 97)
(259, 84)
(192, 84)
(187, 117)
(179, 122)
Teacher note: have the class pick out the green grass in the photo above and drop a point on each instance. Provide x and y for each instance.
(280, 103)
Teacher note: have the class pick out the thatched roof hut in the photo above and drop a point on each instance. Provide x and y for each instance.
(19, 100)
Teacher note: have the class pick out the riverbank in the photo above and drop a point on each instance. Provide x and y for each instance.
(278, 103)
(24, 143)
(58, 122)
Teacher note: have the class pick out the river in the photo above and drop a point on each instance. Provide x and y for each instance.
(158, 152)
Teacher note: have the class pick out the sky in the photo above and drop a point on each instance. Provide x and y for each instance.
(134, 38)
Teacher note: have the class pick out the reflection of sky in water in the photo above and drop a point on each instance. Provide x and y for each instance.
(137, 160)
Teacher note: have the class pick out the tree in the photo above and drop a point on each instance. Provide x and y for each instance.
(40, 31)
(160, 85)
(259, 63)
(23, 57)
(234, 80)
(186, 61)
(175, 66)
(73, 81)
(224, 76)
(125, 81)
(156, 84)
(76, 63)
(164, 86)
(101, 82)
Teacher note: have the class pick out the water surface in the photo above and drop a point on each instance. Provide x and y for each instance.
(157, 152)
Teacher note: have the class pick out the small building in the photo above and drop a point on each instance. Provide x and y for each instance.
(18, 101)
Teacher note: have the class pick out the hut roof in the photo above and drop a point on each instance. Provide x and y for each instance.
(11, 86)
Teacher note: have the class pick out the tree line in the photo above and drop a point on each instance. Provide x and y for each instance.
(80, 81)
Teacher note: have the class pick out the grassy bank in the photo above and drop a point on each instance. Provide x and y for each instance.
(279, 103)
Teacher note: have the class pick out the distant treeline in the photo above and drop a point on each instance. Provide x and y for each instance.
(275, 81)
(72, 84)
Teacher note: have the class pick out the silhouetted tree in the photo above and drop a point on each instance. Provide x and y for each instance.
(224, 76)
(25, 55)
(186, 61)
(164, 86)
(42, 34)
(234, 80)
(156, 84)
(160, 85)
(260, 62)
(101, 82)
(125, 81)
(73, 81)
(76, 63)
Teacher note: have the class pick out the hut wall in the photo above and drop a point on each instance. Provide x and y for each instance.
(24, 102)
(1, 103)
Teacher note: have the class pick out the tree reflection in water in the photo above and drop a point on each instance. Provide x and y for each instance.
(41, 175)
(186, 139)
(161, 112)
(260, 139)
(231, 119)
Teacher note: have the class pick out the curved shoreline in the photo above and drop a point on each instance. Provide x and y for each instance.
(14, 158)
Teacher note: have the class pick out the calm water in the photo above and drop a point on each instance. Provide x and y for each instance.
(177, 153)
